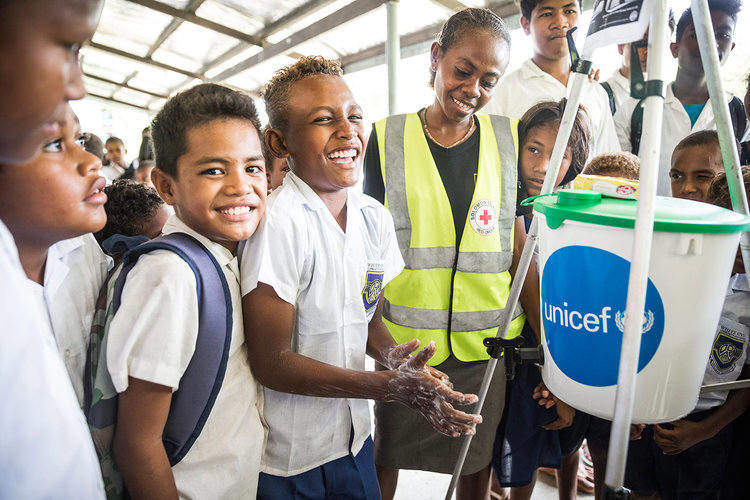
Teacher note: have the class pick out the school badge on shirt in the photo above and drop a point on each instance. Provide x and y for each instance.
(373, 284)
(728, 347)
(483, 217)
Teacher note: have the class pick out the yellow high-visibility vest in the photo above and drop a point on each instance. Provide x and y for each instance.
(456, 298)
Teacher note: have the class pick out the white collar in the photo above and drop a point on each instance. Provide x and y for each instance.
(529, 69)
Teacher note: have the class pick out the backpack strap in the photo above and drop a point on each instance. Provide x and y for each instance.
(611, 95)
(739, 119)
(636, 128)
(201, 382)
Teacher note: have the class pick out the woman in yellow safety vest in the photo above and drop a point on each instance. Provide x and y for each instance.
(449, 178)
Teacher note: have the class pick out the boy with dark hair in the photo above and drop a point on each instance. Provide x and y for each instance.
(133, 209)
(623, 165)
(687, 107)
(618, 85)
(545, 76)
(276, 168)
(210, 168)
(313, 301)
(93, 145)
(114, 155)
(45, 450)
(696, 161)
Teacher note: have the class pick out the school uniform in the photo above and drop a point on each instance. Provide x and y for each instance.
(620, 86)
(152, 337)
(112, 172)
(698, 472)
(45, 448)
(675, 127)
(73, 274)
(529, 85)
(333, 278)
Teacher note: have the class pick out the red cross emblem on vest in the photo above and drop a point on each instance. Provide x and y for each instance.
(486, 217)
(483, 217)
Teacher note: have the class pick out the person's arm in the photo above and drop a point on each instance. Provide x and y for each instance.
(142, 412)
(529, 297)
(685, 433)
(269, 322)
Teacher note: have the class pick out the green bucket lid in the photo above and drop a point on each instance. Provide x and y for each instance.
(671, 215)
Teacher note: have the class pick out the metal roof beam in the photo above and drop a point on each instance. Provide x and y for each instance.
(144, 60)
(341, 16)
(172, 27)
(200, 21)
(454, 5)
(293, 16)
(118, 101)
(125, 85)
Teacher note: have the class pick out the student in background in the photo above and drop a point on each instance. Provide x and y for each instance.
(545, 76)
(618, 85)
(688, 458)
(527, 436)
(313, 301)
(623, 165)
(92, 144)
(696, 161)
(115, 159)
(687, 107)
(276, 170)
(210, 167)
(45, 449)
(142, 173)
(133, 210)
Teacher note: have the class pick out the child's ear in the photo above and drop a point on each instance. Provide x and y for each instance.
(164, 185)
(673, 49)
(276, 143)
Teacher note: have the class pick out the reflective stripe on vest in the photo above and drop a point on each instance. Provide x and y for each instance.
(418, 301)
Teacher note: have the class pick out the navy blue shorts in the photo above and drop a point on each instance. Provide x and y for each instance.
(349, 477)
(697, 473)
(521, 444)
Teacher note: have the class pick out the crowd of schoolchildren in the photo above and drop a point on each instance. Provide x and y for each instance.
(195, 324)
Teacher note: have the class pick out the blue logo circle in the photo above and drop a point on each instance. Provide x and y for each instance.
(584, 293)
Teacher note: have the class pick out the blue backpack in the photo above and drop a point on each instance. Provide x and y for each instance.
(199, 385)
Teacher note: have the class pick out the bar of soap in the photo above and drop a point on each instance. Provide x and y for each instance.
(613, 187)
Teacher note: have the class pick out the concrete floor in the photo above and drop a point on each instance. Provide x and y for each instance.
(419, 485)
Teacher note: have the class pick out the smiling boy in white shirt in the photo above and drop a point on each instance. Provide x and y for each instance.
(325, 254)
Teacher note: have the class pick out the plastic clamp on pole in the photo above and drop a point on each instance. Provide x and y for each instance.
(514, 354)
(577, 63)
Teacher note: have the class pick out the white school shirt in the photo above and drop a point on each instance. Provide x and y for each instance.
(529, 85)
(111, 172)
(152, 337)
(675, 127)
(73, 274)
(729, 351)
(620, 89)
(45, 447)
(323, 271)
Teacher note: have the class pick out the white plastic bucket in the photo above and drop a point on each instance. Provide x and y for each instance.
(584, 272)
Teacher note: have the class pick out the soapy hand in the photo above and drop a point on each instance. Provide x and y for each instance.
(428, 390)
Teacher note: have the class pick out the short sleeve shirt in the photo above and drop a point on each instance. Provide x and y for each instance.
(152, 337)
(333, 278)
(729, 350)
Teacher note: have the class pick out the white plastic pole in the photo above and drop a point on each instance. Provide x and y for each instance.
(704, 30)
(561, 144)
(643, 235)
(392, 54)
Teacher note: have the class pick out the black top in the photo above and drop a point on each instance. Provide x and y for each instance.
(457, 167)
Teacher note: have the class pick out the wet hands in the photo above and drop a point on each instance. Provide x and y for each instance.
(427, 390)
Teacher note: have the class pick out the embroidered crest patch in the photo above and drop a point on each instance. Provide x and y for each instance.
(725, 352)
(373, 285)
(483, 217)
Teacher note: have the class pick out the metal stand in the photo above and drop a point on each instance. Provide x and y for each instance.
(704, 30)
(392, 54)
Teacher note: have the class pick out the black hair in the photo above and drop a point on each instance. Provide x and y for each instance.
(112, 138)
(702, 138)
(191, 108)
(130, 207)
(550, 113)
(728, 7)
(528, 6)
(718, 190)
(469, 20)
(93, 145)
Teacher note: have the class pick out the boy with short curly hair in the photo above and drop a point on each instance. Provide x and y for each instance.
(623, 165)
(312, 300)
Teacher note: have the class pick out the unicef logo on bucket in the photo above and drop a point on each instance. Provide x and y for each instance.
(584, 292)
